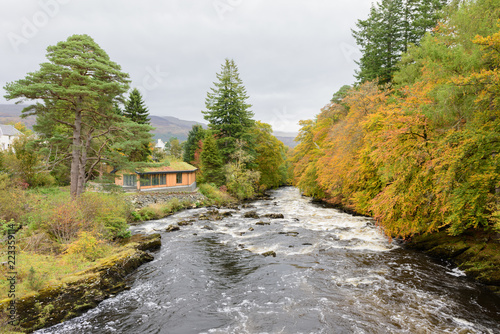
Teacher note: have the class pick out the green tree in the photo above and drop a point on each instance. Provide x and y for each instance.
(240, 181)
(270, 156)
(211, 162)
(173, 147)
(135, 108)
(228, 113)
(385, 35)
(196, 134)
(77, 89)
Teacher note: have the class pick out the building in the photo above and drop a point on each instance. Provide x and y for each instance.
(178, 176)
(7, 135)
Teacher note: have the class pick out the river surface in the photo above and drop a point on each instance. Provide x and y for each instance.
(333, 273)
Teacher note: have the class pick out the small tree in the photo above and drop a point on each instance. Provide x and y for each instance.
(240, 181)
(211, 162)
(136, 111)
(196, 134)
(135, 108)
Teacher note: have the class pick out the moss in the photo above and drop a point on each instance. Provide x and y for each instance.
(82, 291)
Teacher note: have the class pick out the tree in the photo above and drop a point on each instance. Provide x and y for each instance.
(240, 181)
(385, 35)
(270, 156)
(135, 108)
(228, 113)
(136, 111)
(173, 147)
(211, 162)
(77, 89)
(196, 134)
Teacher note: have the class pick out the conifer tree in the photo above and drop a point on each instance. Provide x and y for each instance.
(390, 28)
(196, 134)
(136, 111)
(211, 162)
(228, 113)
(77, 89)
(135, 108)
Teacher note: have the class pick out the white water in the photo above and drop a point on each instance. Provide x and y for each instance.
(333, 273)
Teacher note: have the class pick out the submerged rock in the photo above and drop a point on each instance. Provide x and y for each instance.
(262, 223)
(172, 228)
(269, 253)
(251, 214)
(274, 215)
(185, 222)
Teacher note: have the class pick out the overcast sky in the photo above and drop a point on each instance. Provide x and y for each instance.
(292, 55)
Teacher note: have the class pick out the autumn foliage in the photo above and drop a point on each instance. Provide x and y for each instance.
(424, 155)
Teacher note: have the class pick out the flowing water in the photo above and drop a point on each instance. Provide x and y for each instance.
(333, 273)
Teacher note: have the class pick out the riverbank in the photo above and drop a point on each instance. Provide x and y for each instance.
(77, 293)
(475, 252)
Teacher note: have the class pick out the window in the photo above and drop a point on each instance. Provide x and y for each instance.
(179, 177)
(163, 179)
(155, 179)
(145, 180)
(129, 180)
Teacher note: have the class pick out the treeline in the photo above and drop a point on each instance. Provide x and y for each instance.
(236, 153)
(420, 150)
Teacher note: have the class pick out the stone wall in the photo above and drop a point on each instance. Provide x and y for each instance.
(143, 199)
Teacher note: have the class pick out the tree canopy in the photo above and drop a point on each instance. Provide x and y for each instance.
(77, 90)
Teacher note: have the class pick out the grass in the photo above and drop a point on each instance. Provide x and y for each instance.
(35, 271)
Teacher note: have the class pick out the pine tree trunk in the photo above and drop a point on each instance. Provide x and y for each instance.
(76, 151)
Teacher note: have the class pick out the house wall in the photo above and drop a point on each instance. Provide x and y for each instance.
(187, 179)
(5, 142)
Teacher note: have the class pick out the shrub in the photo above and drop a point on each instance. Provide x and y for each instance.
(87, 246)
(66, 221)
(214, 195)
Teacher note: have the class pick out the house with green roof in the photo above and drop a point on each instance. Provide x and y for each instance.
(177, 176)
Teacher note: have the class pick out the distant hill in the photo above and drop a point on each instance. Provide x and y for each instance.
(168, 126)
(165, 126)
(287, 138)
(12, 113)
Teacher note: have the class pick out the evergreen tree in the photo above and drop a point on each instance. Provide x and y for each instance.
(77, 89)
(390, 28)
(136, 111)
(211, 162)
(196, 134)
(135, 108)
(228, 113)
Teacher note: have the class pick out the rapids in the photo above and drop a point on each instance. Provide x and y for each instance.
(332, 273)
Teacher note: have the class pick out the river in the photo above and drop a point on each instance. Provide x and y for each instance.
(332, 273)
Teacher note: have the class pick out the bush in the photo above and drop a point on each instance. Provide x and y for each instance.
(87, 246)
(214, 195)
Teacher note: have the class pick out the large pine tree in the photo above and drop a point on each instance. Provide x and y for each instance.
(390, 28)
(228, 113)
(76, 90)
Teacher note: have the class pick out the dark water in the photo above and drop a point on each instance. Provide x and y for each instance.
(334, 273)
